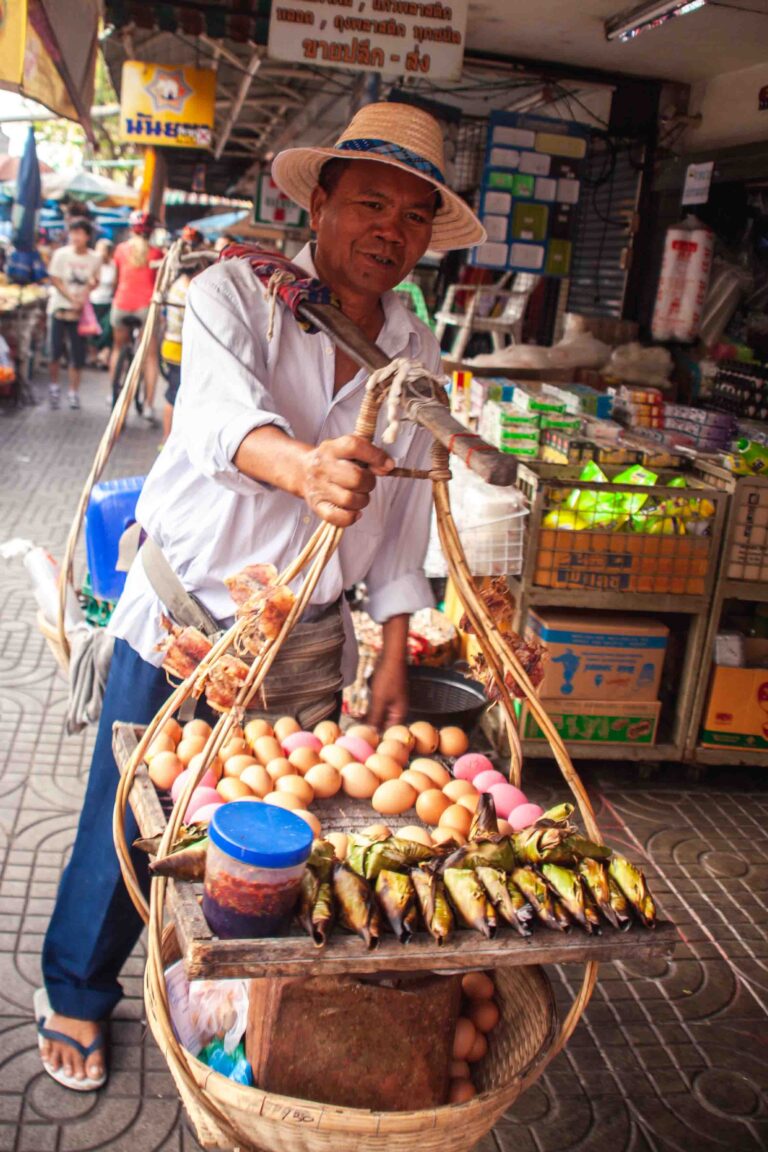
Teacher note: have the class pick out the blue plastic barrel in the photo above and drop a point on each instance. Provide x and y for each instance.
(111, 509)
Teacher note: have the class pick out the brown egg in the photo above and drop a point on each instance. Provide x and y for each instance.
(393, 797)
(425, 736)
(430, 806)
(298, 787)
(358, 781)
(236, 732)
(164, 769)
(484, 1016)
(456, 818)
(477, 986)
(302, 759)
(195, 728)
(280, 767)
(339, 841)
(324, 780)
(478, 1049)
(395, 750)
(161, 743)
(460, 1091)
(266, 748)
(383, 766)
(336, 756)
(365, 732)
(448, 836)
(459, 1070)
(235, 748)
(417, 780)
(172, 728)
(452, 742)
(311, 819)
(455, 789)
(215, 765)
(236, 764)
(376, 831)
(256, 728)
(416, 833)
(505, 828)
(256, 777)
(231, 789)
(284, 800)
(470, 801)
(286, 726)
(400, 733)
(435, 771)
(190, 746)
(327, 731)
(463, 1038)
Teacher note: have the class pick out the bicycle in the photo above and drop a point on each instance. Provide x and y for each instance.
(124, 360)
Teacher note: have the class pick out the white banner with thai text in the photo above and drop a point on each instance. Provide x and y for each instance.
(393, 37)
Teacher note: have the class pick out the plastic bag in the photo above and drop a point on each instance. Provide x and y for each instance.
(88, 325)
(219, 1010)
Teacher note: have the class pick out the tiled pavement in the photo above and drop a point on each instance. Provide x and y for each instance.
(668, 1057)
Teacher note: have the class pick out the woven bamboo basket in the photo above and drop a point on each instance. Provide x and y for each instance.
(52, 638)
(228, 1115)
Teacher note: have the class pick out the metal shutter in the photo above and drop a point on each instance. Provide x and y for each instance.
(604, 225)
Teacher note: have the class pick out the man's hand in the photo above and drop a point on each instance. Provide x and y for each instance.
(389, 685)
(335, 484)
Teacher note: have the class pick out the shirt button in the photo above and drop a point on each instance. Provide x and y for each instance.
(305, 520)
(329, 350)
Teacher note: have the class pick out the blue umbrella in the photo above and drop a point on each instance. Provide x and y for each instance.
(28, 198)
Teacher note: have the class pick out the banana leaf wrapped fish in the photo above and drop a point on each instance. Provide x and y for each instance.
(576, 848)
(397, 900)
(633, 884)
(484, 824)
(595, 879)
(495, 883)
(355, 904)
(536, 844)
(368, 857)
(538, 895)
(186, 860)
(433, 903)
(315, 911)
(620, 905)
(497, 853)
(469, 900)
(568, 889)
(556, 816)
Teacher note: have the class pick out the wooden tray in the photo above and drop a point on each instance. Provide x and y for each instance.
(208, 957)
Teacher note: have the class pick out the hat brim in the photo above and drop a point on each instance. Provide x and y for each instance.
(296, 172)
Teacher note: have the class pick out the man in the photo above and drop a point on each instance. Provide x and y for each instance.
(261, 450)
(73, 272)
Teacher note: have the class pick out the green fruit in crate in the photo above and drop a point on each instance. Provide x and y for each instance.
(664, 526)
(566, 519)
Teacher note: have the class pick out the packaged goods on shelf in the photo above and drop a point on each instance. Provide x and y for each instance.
(737, 711)
(748, 458)
(461, 383)
(599, 656)
(591, 402)
(710, 431)
(638, 407)
(597, 721)
(532, 398)
(741, 389)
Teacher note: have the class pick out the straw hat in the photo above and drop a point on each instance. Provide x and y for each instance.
(398, 135)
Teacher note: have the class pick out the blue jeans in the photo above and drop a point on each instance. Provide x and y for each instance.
(94, 925)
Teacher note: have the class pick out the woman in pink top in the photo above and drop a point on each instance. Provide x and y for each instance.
(137, 262)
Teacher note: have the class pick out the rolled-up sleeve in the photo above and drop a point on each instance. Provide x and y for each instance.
(223, 395)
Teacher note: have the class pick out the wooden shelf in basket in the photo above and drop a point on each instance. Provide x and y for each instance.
(208, 957)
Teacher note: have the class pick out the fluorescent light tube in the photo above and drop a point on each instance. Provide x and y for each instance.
(630, 23)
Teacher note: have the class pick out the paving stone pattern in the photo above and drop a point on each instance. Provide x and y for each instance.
(667, 1057)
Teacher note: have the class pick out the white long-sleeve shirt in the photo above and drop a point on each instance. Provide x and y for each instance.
(211, 520)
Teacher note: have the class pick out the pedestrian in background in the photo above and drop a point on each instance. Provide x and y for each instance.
(73, 272)
(101, 298)
(137, 262)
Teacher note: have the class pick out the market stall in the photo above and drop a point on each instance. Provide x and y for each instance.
(22, 327)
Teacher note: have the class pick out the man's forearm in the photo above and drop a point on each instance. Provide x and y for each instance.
(394, 647)
(269, 455)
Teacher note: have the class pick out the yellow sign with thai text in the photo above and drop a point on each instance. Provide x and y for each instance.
(166, 105)
(13, 30)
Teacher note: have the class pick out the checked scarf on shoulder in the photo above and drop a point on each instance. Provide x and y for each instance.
(291, 283)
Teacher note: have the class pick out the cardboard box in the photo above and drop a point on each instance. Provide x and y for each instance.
(737, 710)
(599, 656)
(597, 721)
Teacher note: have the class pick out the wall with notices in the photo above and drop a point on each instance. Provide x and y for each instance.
(730, 109)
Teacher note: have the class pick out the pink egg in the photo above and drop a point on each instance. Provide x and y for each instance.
(301, 740)
(208, 781)
(506, 797)
(524, 815)
(203, 815)
(201, 798)
(356, 747)
(470, 765)
(484, 781)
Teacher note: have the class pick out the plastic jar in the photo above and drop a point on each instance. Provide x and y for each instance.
(255, 860)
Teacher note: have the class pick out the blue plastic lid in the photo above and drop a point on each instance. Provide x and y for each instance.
(260, 834)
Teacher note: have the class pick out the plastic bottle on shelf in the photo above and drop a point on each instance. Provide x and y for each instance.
(44, 573)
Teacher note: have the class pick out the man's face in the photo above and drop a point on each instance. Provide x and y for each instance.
(78, 238)
(372, 228)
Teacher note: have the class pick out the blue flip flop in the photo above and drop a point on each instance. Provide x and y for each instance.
(43, 1013)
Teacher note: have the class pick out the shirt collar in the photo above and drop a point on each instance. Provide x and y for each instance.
(400, 334)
